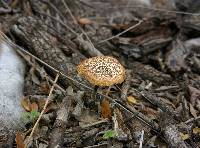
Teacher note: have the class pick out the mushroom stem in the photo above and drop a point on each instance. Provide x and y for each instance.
(94, 93)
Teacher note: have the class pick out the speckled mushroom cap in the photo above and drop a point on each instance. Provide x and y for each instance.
(102, 71)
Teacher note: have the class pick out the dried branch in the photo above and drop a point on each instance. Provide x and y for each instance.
(38, 69)
(135, 113)
(87, 45)
(141, 138)
(143, 7)
(128, 29)
(45, 106)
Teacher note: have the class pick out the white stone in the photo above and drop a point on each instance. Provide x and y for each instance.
(12, 71)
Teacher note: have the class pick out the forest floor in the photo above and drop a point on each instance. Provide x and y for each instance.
(158, 104)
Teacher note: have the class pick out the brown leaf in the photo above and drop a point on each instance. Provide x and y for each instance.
(123, 132)
(34, 78)
(196, 130)
(184, 136)
(131, 100)
(105, 109)
(34, 107)
(51, 105)
(26, 104)
(44, 87)
(151, 113)
(85, 21)
(41, 103)
(19, 140)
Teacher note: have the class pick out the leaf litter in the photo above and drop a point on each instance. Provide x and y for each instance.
(160, 53)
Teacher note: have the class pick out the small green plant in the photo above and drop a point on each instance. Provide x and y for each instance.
(30, 116)
(109, 134)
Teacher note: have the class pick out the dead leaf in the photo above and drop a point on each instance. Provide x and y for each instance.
(87, 117)
(184, 136)
(26, 104)
(34, 77)
(151, 113)
(44, 87)
(85, 21)
(196, 130)
(193, 111)
(19, 140)
(123, 132)
(105, 109)
(34, 107)
(51, 106)
(131, 100)
(41, 103)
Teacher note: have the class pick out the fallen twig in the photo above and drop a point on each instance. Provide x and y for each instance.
(37, 68)
(88, 46)
(128, 29)
(141, 138)
(156, 101)
(58, 20)
(144, 119)
(192, 120)
(45, 106)
(135, 113)
(143, 7)
(7, 8)
(103, 121)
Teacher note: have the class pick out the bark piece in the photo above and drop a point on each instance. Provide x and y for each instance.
(146, 72)
(36, 36)
(57, 134)
(170, 131)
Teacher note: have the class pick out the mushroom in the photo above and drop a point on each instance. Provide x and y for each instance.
(102, 71)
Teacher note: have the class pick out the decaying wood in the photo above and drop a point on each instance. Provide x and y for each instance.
(145, 119)
(123, 133)
(146, 72)
(33, 34)
(157, 102)
(88, 48)
(57, 133)
(170, 131)
(154, 50)
(126, 86)
(80, 104)
(6, 8)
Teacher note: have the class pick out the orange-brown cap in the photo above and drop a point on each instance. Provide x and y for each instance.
(102, 71)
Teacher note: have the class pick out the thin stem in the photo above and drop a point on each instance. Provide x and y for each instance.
(44, 108)
(130, 28)
(94, 93)
(135, 113)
